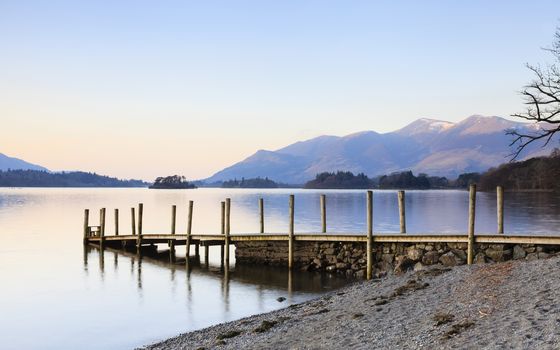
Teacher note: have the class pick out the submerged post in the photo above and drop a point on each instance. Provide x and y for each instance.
(172, 241)
(500, 209)
(402, 217)
(228, 208)
(86, 226)
(189, 231)
(116, 222)
(291, 234)
(472, 205)
(133, 220)
(323, 213)
(261, 212)
(140, 216)
(369, 201)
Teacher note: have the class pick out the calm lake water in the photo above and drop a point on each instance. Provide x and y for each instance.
(56, 294)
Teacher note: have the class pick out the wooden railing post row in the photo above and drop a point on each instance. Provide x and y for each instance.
(323, 213)
(291, 233)
(472, 206)
(86, 226)
(189, 232)
(140, 217)
(228, 229)
(402, 213)
(369, 205)
(500, 208)
(261, 214)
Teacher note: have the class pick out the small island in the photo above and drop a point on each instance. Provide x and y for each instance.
(172, 182)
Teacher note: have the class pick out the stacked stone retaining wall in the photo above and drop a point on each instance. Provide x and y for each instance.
(350, 258)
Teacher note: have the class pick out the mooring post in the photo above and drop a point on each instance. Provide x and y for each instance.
(133, 220)
(369, 201)
(86, 226)
(323, 213)
(228, 228)
(140, 216)
(261, 211)
(500, 209)
(172, 241)
(102, 227)
(402, 215)
(291, 234)
(472, 205)
(189, 232)
(116, 222)
(223, 229)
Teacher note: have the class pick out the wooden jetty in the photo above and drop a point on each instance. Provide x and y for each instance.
(138, 239)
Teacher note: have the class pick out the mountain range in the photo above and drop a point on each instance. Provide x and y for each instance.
(15, 163)
(435, 147)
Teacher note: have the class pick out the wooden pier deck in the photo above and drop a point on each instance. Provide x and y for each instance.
(96, 234)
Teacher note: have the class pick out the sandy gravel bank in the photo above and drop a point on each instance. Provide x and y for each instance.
(507, 305)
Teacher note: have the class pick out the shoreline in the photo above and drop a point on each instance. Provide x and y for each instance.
(508, 304)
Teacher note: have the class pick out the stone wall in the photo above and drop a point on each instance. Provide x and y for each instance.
(350, 258)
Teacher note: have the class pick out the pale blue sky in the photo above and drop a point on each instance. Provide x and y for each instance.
(144, 88)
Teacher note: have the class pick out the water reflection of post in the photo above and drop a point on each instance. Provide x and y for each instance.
(290, 284)
(116, 260)
(139, 275)
(225, 288)
(87, 249)
(101, 261)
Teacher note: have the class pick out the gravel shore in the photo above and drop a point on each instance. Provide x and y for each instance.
(511, 305)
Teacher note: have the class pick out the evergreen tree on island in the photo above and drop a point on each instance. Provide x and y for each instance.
(172, 182)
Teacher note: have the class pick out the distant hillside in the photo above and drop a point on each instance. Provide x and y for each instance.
(34, 178)
(429, 146)
(540, 173)
(7, 163)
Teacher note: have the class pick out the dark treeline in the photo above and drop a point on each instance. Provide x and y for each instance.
(257, 182)
(340, 180)
(397, 180)
(35, 178)
(541, 173)
(172, 182)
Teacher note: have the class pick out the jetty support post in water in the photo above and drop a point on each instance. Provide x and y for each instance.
(369, 247)
(116, 222)
(101, 227)
(500, 208)
(86, 226)
(402, 215)
(222, 229)
(261, 212)
(189, 232)
(133, 220)
(291, 233)
(172, 241)
(324, 213)
(470, 234)
(228, 228)
(139, 238)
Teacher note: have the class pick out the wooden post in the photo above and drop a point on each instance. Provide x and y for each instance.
(102, 227)
(116, 222)
(472, 205)
(323, 213)
(500, 209)
(223, 229)
(172, 241)
(228, 228)
(189, 231)
(133, 220)
(369, 201)
(140, 216)
(86, 226)
(291, 234)
(402, 217)
(206, 253)
(261, 211)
